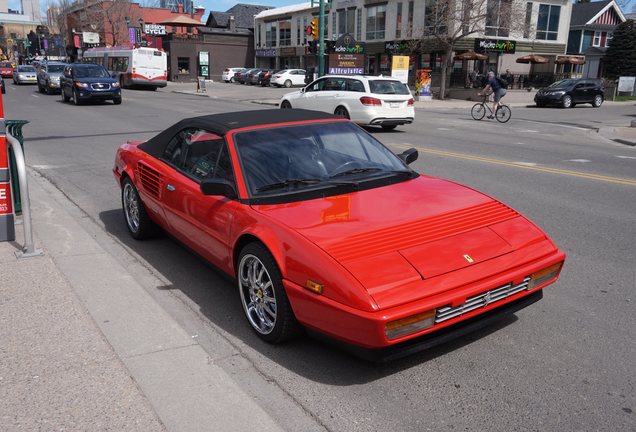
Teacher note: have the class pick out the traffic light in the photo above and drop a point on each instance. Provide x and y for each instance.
(313, 47)
(314, 27)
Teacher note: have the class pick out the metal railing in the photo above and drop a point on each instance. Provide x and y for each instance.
(29, 249)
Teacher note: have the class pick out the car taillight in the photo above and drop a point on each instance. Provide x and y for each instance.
(411, 102)
(366, 100)
(226, 70)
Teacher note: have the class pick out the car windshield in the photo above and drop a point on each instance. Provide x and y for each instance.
(92, 71)
(562, 83)
(388, 87)
(5, 65)
(26, 69)
(55, 68)
(292, 159)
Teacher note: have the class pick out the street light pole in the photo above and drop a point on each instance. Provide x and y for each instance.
(321, 39)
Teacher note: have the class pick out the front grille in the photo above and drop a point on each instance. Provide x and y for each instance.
(480, 301)
(100, 86)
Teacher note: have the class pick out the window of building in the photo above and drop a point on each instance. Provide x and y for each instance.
(548, 22)
(498, 18)
(346, 21)
(359, 24)
(298, 31)
(398, 21)
(305, 24)
(609, 38)
(183, 65)
(376, 22)
(409, 22)
(270, 34)
(284, 32)
(333, 25)
(258, 35)
(597, 39)
(434, 22)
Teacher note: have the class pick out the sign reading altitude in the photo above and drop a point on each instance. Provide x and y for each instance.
(500, 45)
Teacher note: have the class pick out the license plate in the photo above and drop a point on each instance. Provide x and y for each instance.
(394, 104)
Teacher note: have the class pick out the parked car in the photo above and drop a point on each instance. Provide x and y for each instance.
(25, 74)
(49, 77)
(228, 74)
(4, 90)
(366, 100)
(86, 81)
(266, 77)
(239, 74)
(289, 78)
(253, 77)
(242, 76)
(6, 69)
(568, 93)
(323, 227)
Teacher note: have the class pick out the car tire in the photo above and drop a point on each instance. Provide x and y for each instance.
(288, 83)
(63, 95)
(48, 90)
(263, 295)
(566, 101)
(285, 105)
(540, 104)
(388, 127)
(342, 112)
(76, 99)
(137, 220)
(117, 101)
(231, 80)
(40, 89)
(598, 101)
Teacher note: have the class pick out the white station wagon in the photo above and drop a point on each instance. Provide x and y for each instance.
(366, 100)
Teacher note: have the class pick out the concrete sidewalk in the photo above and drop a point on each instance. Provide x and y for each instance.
(86, 348)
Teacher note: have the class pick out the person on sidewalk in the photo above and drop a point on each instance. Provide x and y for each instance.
(497, 91)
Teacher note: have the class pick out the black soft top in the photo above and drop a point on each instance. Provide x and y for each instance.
(223, 123)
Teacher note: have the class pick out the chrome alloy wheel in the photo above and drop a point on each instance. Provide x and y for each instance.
(131, 207)
(257, 294)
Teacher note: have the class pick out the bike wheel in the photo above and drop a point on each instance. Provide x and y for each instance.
(503, 113)
(478, 111)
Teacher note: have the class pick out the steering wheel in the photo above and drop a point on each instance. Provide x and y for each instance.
(346, 167)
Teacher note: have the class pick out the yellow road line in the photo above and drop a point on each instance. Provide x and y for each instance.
(589, 176)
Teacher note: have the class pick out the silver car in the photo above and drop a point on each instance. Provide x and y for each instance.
(49, 77)
(25, 74)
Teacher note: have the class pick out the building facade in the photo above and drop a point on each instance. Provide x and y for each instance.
(390, 27)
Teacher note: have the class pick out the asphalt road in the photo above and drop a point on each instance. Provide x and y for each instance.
(566, 363)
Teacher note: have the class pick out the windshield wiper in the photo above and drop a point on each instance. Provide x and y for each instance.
(406, 173)
(302, 182)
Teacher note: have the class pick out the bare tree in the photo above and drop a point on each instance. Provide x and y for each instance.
(447, 22)
(118, 16)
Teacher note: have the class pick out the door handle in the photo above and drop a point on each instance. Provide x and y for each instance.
(170, 188)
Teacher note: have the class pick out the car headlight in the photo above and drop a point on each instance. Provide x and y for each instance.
(409, 325)
(81, 84)
(556, 93)
(115, 85)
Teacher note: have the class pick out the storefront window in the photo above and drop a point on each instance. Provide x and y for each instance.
(183, 65)
(376, 17)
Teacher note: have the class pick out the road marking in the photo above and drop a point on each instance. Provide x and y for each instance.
(525, 163)
(578, 160)
(570, 173)
(443, 129)
(626, 157)
(527, 131)
(35, 96)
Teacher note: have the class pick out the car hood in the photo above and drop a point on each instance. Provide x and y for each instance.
(407, 232)
(91, 80)
(55, 74)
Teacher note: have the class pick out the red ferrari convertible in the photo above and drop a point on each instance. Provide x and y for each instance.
(325, 229)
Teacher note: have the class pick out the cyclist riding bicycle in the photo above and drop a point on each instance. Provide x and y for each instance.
(497, 90)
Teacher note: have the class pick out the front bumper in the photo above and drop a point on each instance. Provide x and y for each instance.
(548, 99)
(84, 94)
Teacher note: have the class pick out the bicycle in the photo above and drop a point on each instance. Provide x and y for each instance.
(502, 114)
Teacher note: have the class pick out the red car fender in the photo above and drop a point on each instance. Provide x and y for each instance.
(300, 260)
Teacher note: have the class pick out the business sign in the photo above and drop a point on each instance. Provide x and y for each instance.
(346, 64)
(403, 46)
(266, 52)
(348, 45)
(504, 46)
(204, 58)
(400, 68)
(155, 29)
(626, 84)
(90, 37)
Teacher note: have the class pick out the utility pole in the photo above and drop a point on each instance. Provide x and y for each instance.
(321, 39)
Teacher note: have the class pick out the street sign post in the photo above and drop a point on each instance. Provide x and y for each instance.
(7, 224)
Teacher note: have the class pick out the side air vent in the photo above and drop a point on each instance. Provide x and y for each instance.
(150, 179)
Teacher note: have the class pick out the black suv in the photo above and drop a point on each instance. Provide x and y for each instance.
(85, 81)
(569, 92)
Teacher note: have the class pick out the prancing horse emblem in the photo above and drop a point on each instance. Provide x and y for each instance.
(469, 259)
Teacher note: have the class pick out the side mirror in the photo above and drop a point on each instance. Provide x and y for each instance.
(409, 156)
(218, 187)
(302, 90)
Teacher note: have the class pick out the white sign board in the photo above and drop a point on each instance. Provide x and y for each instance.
(155, 29)
(626, 84)
(90, 37)
(400, 68)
